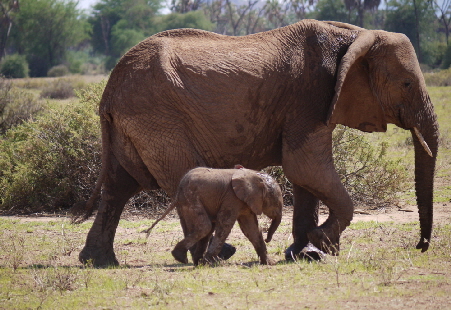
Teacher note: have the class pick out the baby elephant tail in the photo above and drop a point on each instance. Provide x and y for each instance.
(169, 209)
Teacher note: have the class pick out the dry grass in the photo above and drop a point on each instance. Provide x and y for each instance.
(378, 268)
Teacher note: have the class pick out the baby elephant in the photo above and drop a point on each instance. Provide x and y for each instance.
(211, 200)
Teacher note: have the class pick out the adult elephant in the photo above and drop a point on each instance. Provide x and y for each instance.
(186, 98)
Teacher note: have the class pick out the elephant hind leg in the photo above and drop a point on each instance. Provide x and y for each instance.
(201, 247)
(196, 226)
(223, 228)
(118, 187)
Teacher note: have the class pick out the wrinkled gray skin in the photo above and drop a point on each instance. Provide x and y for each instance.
(212, 200)
(187, 98)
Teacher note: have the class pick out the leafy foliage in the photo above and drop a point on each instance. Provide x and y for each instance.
(58, 71)
(120, 24)
(368, 174)
(14, 66)
(59, 89)
(366, 171)
(47, 29)
(51, 162)
(415, 22)
(193, 19)
(16, 105)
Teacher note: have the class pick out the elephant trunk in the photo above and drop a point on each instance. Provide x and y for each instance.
(425, 139)
(274, 224)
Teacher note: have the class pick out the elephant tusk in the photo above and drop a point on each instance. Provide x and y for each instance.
(423, 143)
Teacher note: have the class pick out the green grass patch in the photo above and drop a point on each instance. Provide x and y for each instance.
(377, 263)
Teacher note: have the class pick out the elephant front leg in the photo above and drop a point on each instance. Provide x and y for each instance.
(305, 219)
(341, 209)
(308, 163)
(119, 186)
(249, 227)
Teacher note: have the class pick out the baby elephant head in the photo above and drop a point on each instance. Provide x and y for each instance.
(261, 193)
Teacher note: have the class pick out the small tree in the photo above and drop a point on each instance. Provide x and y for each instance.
(14, 66)
(45, 31)
(7, 8)
(445, 16)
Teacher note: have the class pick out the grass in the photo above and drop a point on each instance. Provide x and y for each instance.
(377, 267)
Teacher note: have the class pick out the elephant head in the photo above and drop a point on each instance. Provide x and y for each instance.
(379, 81)
(261, 193)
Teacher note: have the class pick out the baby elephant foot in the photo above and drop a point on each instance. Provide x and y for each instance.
(267, 261)
(180, 255)
(325, 240)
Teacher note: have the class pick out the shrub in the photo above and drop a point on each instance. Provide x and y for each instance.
(58, 71)
(446, 61)
(369, 176)
(439, 78)
(14, 66)
(58, 89)
(366, 171)
(16, 105)
(53, 161)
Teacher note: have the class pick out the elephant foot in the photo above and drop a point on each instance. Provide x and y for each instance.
(325, 240)
(180, 256)
(292, 252)
(309, 253)
(227, 251)
(98, 257)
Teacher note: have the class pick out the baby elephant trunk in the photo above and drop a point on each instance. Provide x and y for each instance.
(274, 224)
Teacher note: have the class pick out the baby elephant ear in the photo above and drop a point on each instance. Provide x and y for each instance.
(249, 188)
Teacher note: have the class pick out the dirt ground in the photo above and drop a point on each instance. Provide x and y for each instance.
(405, 214)
(130, 251)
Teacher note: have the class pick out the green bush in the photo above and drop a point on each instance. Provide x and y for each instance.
(366, 171)
(369, 176)
(58, 71)
(58, 89)
(16, 105)
(53, 161)
(14, 66)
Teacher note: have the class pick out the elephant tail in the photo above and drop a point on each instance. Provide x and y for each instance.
(169, 209)
(82, 210)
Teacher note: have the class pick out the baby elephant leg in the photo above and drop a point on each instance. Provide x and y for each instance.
(200, 248)
(196, 226)
(222, 231)
(249, 226)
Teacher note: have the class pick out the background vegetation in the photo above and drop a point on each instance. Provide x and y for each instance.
(37, 35)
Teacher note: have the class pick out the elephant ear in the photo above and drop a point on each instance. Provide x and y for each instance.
(249, 188)
(354, 104)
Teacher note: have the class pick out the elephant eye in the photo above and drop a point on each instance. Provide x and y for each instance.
(407, 83)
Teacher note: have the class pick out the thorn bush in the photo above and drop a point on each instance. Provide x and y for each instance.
(51, 162)
(16, 105)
